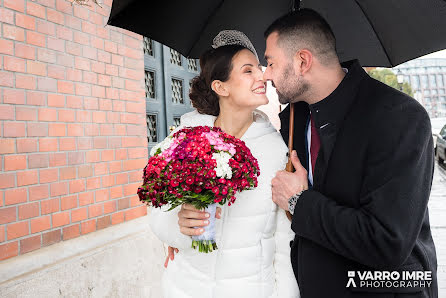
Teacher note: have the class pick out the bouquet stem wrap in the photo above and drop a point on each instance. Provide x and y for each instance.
(206, 241)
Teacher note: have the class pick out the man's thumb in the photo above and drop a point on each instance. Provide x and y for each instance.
(295, 160)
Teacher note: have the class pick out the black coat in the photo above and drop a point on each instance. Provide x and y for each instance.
(372, 181)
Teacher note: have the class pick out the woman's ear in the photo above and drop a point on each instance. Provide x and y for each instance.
(220, 88)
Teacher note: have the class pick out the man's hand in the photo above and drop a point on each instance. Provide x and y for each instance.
(286, 184)
(190, 217)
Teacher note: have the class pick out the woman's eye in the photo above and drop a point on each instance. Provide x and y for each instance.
(270, 65)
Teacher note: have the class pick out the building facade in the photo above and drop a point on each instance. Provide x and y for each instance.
(427, 77)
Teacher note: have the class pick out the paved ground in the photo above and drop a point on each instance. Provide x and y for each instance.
(437, 212)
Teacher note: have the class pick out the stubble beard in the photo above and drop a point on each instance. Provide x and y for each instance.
(293, 87)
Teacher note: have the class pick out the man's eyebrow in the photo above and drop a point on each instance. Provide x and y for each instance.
(247, 64)
(267, 57)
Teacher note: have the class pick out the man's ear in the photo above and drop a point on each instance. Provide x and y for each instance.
(219, 87)
(303, 60)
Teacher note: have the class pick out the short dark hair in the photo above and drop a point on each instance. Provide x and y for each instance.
(215, 64)
(305, 28)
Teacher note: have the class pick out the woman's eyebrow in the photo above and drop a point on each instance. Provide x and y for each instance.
(247, 64)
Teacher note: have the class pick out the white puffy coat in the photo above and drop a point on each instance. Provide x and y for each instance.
(253, 235)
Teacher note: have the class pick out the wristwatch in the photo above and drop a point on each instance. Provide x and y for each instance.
(293, 201)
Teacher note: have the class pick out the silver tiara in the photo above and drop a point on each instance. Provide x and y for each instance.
(233, 37)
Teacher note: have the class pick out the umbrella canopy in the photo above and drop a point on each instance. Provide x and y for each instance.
(378, 33)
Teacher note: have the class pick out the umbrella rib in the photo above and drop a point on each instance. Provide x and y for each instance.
(211, 15)
(376, 34)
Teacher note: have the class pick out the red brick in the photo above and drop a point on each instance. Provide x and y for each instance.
(25, 21)
(104, 222)
(93, 183)
(51, 237)
(49, 206)
(76, 158)
(98, 67)
(117, 217)
(86, 198)
(104, 56)
(74, 75)
(84, 143)
(55, 16)
(2, 233)
(57, 129)
(7, 180)
(14, 96)
(82, 63)
(94, 210)
(15, 162)
(56, 44)
(58, 189)
(66, 116)
(116, 192)
(92, 103)
(74, 102)
(64, 33)
(7, 16)
(123, 203)
(88, 226)
(92, 156)
(30, 244)
(65, 87)
(38, 192)
(6, 112)
(109, 207)
(97, 43)
(108, 181)
(7, 146)
(35, 38)
(40, 224)
(90, 77)
(45, 27)
(18, 5)
(35, 10)
(85, 171)
(8, 214)
(83, 89)
(36, 68)
(56, 100)
(100, 143)
(37, 129)
(58, 159)
(71, 232)
(135, 176)
(35, 98)
(13, 32)
(81, 38)
(7, 47)
(77, 186)
(25, 82)
(6, 79)
(28, 210)
(27, 178)
(89, 52)
(16, 230)
(75, 129)
(67, 144)
(67, 173)
(64, 6)
(68, 202)
(47, 114)
(100, 169)
(47, 56)
(48, 175)
(115, 166)
(105, 104)
(60, 219)
(9, 250)
(39, 160)
(78, 214)
(47, 145)
(14, 129)
(14, 64)
(81, 12)
(25, 114)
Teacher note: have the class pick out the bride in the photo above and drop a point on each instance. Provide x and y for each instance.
(253, 235)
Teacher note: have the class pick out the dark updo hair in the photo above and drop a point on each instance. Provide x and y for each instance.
(215, 64)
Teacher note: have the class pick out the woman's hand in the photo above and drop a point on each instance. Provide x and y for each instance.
(190, 217)
(170, 255)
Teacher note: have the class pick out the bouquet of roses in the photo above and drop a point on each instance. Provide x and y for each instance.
(201, 166)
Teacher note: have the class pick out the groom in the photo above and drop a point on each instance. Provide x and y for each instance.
(364, 169)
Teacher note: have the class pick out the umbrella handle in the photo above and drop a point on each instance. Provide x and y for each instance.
(289, 165)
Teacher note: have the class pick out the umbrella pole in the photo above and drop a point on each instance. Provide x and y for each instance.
(289, 165)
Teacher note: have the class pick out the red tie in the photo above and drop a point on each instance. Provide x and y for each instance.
(315, 144)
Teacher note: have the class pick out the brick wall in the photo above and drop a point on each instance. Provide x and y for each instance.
(72, 123)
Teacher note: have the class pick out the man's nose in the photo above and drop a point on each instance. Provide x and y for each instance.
(266, 75)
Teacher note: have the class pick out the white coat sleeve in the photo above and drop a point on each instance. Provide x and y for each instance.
(164, 225)
(286, 284)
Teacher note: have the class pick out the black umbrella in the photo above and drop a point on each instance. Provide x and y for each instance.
(377, 32)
